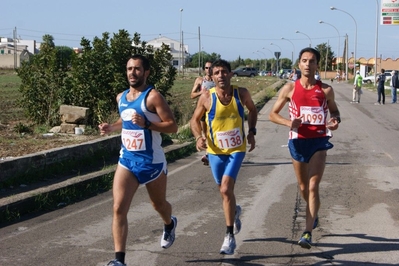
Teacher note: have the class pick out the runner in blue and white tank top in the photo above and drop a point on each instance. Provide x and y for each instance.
(144, 115)
(139, 144)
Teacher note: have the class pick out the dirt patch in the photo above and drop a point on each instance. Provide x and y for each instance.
(14, 144)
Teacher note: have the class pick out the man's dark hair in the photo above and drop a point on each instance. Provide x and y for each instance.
(310, 50)
(203, 67)
(144, 61)
(382, 70)
(220, 63)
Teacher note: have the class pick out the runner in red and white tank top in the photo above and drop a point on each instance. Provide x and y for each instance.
(311, 104)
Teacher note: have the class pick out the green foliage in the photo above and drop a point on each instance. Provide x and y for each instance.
(42, 83)
(92, 79)
(22, 128)
(200, 58)
(326, 56)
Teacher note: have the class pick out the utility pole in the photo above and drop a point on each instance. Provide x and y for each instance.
(199, 49)
(15, 48)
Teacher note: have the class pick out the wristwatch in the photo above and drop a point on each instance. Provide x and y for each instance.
(147, 124)
(338, 119)
(253, 130)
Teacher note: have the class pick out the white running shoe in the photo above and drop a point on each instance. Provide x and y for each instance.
(115, 262)
(168, 237)
(237, 221)
(229, 245)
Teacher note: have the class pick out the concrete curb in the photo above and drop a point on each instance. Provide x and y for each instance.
(27, 202)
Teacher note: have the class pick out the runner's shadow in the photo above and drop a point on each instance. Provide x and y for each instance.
(339, 249)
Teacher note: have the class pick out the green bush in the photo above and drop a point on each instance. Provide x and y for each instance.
(92, 79)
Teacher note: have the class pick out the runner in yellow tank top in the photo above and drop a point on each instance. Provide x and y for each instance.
(223, 107)
(225, 124)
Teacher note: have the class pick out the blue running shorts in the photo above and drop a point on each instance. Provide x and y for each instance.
(228, 165)
(303, 149)
(143, 172)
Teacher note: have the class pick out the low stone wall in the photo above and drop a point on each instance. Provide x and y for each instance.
(41, 160)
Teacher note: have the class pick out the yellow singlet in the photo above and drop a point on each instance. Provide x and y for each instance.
(225, 125)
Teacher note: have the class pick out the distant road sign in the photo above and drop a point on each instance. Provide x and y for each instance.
(277, 55)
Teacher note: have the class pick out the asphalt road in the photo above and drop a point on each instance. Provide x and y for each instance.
(359, 215)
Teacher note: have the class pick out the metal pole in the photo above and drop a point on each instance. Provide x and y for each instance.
(354, 20)
(181, 48)
(376, 42)
(15, 48)
(310, 40)
(292, 53)
(182, 53)
(346, 56)
(339, 39)
(199, 53)
(325, 65)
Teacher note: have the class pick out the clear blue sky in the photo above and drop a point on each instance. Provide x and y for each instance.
(229, 28)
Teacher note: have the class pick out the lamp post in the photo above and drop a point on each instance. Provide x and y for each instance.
(339, 38)
(257, 59)
(181, 44)
(354, 57)
(265, 58)
(293, 51)
(376, 41)
(310, 40)
(264, 48)
(276, 56)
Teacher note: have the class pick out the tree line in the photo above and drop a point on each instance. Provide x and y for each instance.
(57, 75)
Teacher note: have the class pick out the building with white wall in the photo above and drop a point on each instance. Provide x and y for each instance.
(179, 56)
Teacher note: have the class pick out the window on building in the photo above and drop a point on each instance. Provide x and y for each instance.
(175, 62)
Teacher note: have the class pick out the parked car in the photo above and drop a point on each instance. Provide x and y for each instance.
(245, 72)
(370, 79)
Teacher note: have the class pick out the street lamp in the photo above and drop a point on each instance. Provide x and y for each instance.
(376, 42)
(354, 59)
(181, 42)
(293, 51)
(265, 58)
(310, 40)
(276, 56)
(264, 48)
(260, 64)
(339, 37)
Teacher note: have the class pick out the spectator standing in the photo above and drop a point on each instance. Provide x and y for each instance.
(357, 88)
(394, 85)
(381, 88)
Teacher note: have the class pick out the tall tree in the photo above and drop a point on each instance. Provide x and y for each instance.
(326, 56)
(91, 79)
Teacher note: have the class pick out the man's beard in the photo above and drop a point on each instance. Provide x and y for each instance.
(135, 84)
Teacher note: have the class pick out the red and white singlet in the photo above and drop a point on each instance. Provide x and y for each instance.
(312, 104)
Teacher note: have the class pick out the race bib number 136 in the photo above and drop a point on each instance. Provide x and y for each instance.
(229, 139)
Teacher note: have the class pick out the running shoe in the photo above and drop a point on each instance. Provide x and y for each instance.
(229, 245)
(205, 160)
(237, 221)
(168, 236)
(316, 222)
(115, 263)
(306, 240)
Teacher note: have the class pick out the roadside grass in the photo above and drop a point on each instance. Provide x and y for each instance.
(9, 95)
